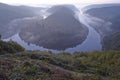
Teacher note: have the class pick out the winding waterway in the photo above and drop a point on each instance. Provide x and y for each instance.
(91, 43)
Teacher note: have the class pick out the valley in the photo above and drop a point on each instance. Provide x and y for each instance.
(60, 42)
(36, 31)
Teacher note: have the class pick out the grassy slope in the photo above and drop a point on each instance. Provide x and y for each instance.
(43, 65)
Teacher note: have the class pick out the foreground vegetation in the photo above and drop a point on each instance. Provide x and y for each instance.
(44, 65)
(10, 47)
(18, 64)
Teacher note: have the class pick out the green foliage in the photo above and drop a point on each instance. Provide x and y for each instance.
(45, 65)
(16, 46)
(10, 47)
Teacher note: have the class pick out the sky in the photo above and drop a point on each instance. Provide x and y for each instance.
(35, 2)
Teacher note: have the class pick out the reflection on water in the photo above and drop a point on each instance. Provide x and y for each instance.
(28, 46)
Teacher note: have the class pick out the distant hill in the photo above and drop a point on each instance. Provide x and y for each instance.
(105, 11)
(109, 13)
(57, 7)
(86, 8)
(9, 13)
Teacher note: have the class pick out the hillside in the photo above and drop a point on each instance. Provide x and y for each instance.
(8, 13)
(107, 12)
(112, 41)
(10, 47)
(99, 6)
(55, 8)
(109, 27)
(59, 31)
(18, 63)
(45, 65)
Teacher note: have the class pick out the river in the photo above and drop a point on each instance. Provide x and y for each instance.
(91, 43)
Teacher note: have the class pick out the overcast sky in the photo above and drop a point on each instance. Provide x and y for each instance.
(33, 2)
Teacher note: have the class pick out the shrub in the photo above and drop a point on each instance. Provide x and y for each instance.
(10, 47)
